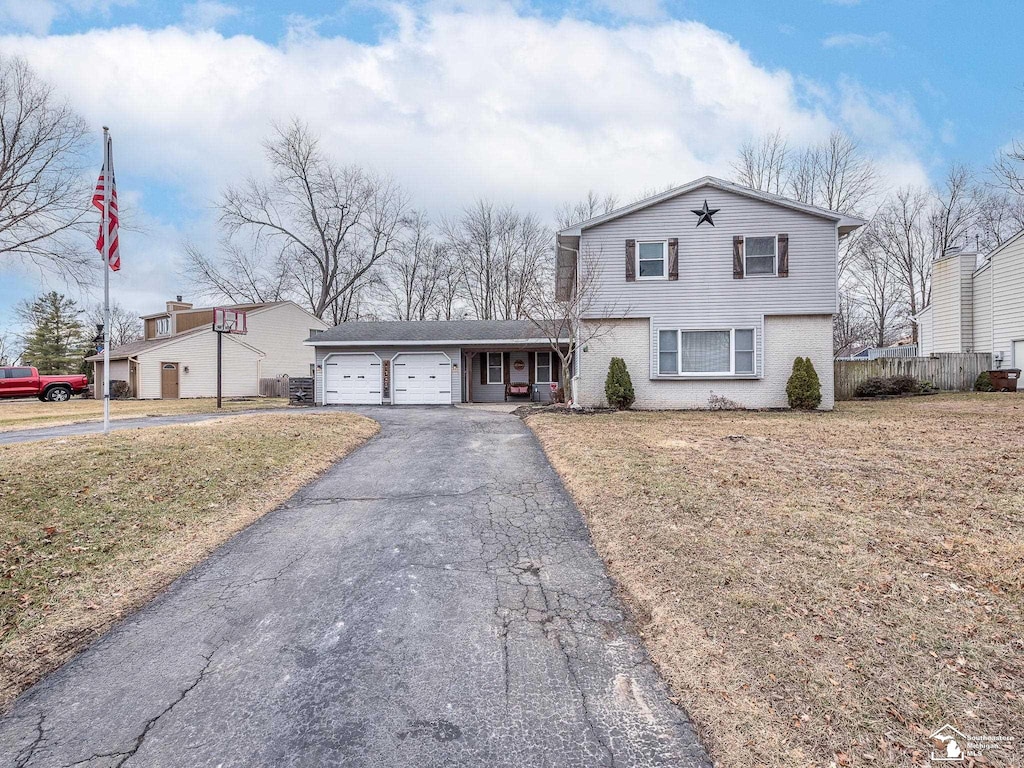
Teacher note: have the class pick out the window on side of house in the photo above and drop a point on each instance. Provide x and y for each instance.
(760, 255)
(723, 352)
(495, 368)
(542, 374)
(652, 260)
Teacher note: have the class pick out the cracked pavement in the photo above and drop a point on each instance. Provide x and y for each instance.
(432, 600)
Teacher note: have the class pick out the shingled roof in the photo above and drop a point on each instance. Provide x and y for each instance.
(430, 331)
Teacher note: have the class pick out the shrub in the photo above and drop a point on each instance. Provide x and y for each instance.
(895, 385)
(618, 387)
(904, 385)
(803, 388)
(983, 383)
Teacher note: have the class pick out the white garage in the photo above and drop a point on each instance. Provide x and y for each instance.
(422, 378)
(352, 379)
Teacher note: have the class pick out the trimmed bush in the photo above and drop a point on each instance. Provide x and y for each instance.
(618, 387)
(983, 383)
(905, 385)
(895, 385)
(803, 388)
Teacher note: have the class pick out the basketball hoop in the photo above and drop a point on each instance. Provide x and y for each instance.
(229, 321)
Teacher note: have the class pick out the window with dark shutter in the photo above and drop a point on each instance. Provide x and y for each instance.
(783, 255)
(630, 261)
(737, 257)
(673, 259)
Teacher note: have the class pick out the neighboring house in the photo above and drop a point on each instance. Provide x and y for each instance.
(977, 308)
(434, 362)
(178, 355)
(707, 290)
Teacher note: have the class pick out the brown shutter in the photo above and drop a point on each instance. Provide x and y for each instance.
(530, 368)
(630, 261)
(783, 255)
(737, 257)
(483, 367)
(507, 366)
(673, 259)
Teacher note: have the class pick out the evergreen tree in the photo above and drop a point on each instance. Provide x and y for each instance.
(56, 341)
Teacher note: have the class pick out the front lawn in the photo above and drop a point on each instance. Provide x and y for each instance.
(823, 588)
(29, 413)
(92, 527)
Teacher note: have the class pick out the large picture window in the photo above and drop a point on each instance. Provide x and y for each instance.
(760, 255)
(495, 368)
(651, 260)
(723, 352)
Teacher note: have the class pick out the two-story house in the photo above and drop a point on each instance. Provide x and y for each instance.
(708, 290)
(177, 356)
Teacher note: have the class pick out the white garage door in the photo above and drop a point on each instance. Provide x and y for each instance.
(422, 378)
(352, 379)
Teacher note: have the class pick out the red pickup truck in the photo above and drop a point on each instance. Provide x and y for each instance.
(22, 381)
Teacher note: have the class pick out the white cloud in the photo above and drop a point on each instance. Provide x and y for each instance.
(455, 105)
(36, 16)
(857, 40)
(207, 14)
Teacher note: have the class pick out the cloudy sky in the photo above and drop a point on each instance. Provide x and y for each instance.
(532, 103)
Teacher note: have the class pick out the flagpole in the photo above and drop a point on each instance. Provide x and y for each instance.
(107, 182)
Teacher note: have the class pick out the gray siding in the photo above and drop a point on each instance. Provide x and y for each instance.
(387, 353)
(706, 296)
(495, 393)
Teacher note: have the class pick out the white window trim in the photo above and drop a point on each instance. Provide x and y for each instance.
(705, 374)
(536, 367)
(501, 364)
(664, 260)
(161, 320)
(775, 261)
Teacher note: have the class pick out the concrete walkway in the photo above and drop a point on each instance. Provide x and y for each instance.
(433, 600)
(96, 427)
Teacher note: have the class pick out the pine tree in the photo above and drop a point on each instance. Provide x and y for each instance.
(618, 387)
(56, 341)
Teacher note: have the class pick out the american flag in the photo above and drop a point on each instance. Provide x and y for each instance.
(99, 200)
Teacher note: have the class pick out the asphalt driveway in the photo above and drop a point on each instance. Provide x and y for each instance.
(433, 600)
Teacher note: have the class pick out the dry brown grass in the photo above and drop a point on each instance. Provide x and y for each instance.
(29, 413)
(92, 527)
(818, 588)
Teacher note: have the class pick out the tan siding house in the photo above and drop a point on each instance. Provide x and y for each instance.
(977, 308)
(178, 357)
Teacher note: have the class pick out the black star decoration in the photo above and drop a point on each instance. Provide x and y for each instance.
(705, 214)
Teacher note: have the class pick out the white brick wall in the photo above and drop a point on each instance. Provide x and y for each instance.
(785, 338)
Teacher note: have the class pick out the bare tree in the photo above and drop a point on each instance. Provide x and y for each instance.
(243, 275)
(330, 224)
(1008, 168)
(125, 325)
(413, 285)
(43, 192)
(1000, 216)
(564, 313)
(955, 212)
(8, 354)
(876, 289)
(846, 178)
(763, 164)
(900, 230)
(589, 207)
(849, 327)
(449, 284)
(502, 256)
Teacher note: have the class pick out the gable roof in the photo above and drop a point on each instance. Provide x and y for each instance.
(365, 333)
(846, 223)
(133, 348)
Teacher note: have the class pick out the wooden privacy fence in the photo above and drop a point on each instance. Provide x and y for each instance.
(950, 372)
(275, 387)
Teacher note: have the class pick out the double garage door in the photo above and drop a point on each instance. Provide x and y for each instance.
(418, 378)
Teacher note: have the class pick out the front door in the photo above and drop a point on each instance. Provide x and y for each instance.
(169, 381)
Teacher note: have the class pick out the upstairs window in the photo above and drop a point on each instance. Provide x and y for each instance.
(163, 326)
(760, 255)
(651, 258)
